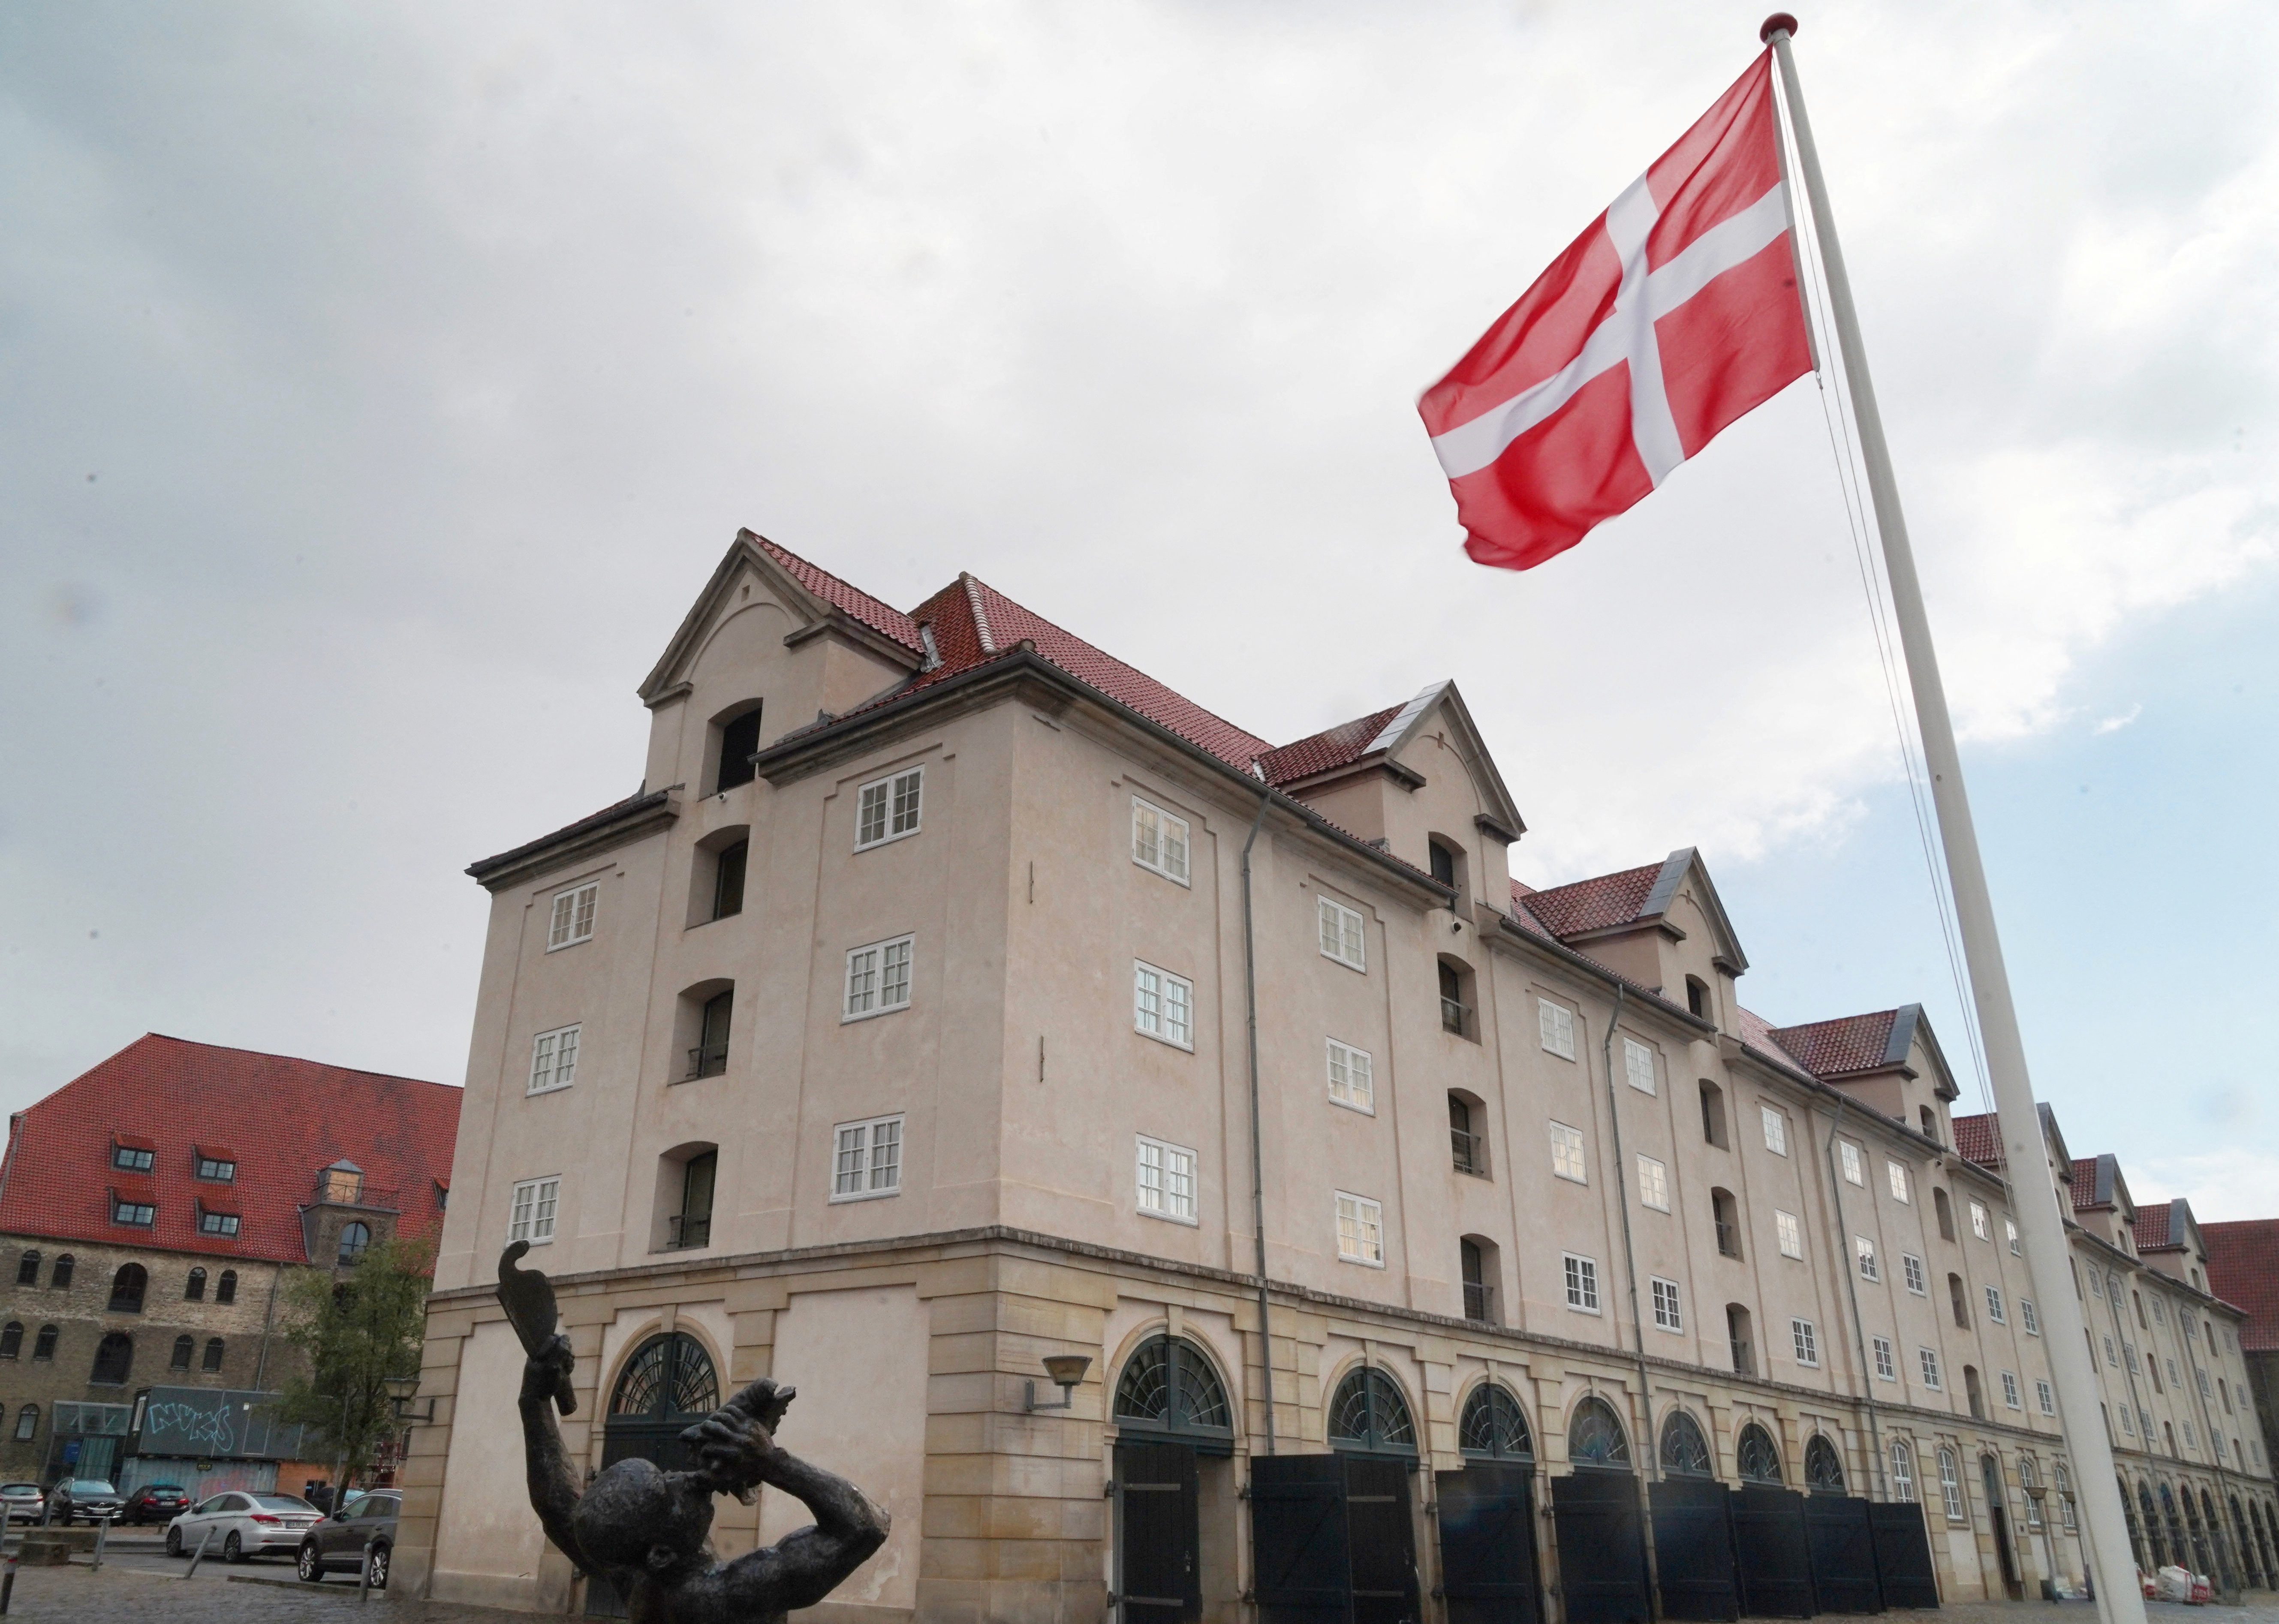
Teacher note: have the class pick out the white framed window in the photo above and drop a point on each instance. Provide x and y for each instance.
(2027, 1318)
(2110, 1357)
(2190, 1441)
(2128, 1425)
(1887, 1368)
(573, 916)
(553, 1060)
(866, 1159)
(1342, 936)
(2160, 1311)
(2097, 1282)
(1654, 1184)
(1790, 1232)
(1159, 840)
(1912, 1267)
(1667, 1314)
(1353, 1080)
(1994, 1305)
(1555, 1023)
(877, 979)
(530, 1210)
(1163, 1005)
(1807, 1342)
(2045, 1397)
(1776, 1130)
(1855, 1165)
(887, 808)
(1928, 1359)
(1582, 1283)
(1637, 1065)
(1950, 1485)
(1167, 1181)
(1982, 1225)
(1567, 1153)
(1870, 1267)
(1360, 1230)
(2010, 1398)
(1903, 1470)
(2010, 1228)
(1897, 1173)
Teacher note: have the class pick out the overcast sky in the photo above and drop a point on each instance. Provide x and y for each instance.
(382, 383)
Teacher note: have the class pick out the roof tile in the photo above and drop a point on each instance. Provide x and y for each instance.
(1844, 1044)
(1332, 747)
(848, 599)
(2243, 1267)
(1594, 904)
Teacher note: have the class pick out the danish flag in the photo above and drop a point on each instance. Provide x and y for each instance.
(1675, 313)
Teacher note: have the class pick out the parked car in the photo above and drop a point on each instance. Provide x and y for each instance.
(25, 1501)
(336, 1545)
(84, 1499)
(156, 1502)
(242, 1525)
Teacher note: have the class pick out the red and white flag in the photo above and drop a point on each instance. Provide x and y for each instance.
(1675, 313)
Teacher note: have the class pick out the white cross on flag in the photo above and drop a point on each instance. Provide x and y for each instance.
(1675, 313)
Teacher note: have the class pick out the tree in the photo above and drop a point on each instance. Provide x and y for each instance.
(357, 1333)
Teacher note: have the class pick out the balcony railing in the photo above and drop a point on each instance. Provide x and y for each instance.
(1470, 1152)
(707, 1061)
(1745, 1358)
(1455, 1016)
(690, 1231)
(338, 1192)
(1729, 1238)
(1480, 1302)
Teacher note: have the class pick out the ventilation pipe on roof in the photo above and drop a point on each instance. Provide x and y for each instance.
(1257, 1152)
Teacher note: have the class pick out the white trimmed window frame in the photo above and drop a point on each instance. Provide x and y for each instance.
(1994, 1305)
(571, 919)
(1569, 1159)
(1163, 1005)
(1887, 1363)
(1554, 1026)
(533, 1208)
(1903, 1470)
(1927, 1363)
(2045, 1397)
(1161, 841)
(2028, 1318)
(1341, 933)
(1911, 1270)
(2012, 1397)
(879, 977)
(553, 1060)
(1895, 1175)
(1669, 1306)
(2010, 1229)
(866, 1159)
(1360, 1230)
(1654, 1184)
(1982, 1224)
(1855, 1164)
(1805, 1336)
(889, 809)
(1582, 1279)
(1950, 1486)
(1790, 1231)
(1637, 1066)
(1775, 1121)
(1164, 1181)
(1871, 1267)
(1352, 1077)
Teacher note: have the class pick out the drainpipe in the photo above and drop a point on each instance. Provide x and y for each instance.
(268, 1319)
(1257, 1151)
(1850, 1264)
(1650, 1451)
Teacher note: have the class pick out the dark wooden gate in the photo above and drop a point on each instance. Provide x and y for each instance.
(667, 1386)
(1380, 1541)
(1990, 1475)
(1770, 1547)
(1601, 1552)
(1487, 1544)
(1903, 1563)
(1693, 1549)
(1298, 1538)
(1843, 1543)
(1158, 1534)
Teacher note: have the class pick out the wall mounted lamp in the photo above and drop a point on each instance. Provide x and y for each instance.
(1066, 1370)
(400, 1389)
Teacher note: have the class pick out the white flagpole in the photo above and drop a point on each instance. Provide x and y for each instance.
(2041, 1225)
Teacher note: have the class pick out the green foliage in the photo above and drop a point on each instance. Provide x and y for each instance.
(357, 1333)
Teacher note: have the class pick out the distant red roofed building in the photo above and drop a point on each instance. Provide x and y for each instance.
(2243, 1265)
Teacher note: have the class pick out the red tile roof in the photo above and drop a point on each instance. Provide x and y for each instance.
(2242, 1267)
(847, 599)
(1594, 904)
(1337, 746)
(2150, 1227)
(1847, 1044)
(2084, 1185)
(399, 1130)
(1979, 1139)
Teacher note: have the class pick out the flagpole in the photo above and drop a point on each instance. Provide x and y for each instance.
(2041, 1225)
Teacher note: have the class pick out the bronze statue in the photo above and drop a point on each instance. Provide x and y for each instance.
(647, 1530)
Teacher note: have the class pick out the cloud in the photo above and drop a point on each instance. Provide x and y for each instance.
(2114, 723)
(2223, 1185)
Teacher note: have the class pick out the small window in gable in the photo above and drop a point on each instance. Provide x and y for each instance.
(1697, 998)
(1556, 1025)
(1447, 864)
(572, 919)
(1342, 938)
(887, 808)
(1637, 1065)
(740, 741)
(1159, 840)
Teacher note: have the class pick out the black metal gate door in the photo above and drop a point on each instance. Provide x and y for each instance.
(1844, 1578)
(1601, 1561)
(1772, 1552)
(1487, 1544)
(1380, 1541)
(1693, 1549)
(1158, 1534)
(1903, 1563)
(1298, 1539)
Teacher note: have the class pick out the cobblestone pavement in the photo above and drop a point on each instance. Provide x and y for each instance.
(133, 1595)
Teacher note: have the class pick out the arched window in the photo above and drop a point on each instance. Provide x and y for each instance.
(27, 1268)
(667, 1376)
(1169, 1387)
(11, 1340)
(2180, 1552)
(183, 1347)
(356, 1236)
(226, 1288)
(61, 1278)
(1903, 1470)
(1369, 1413)
(28, 1422)
(1756, 1456)
(1824, 1468)
(1946, 1209)
(1685, 1449)
(114, 1358)
(128, 1287)
(1492, 1427)
(1595, 1436)
(212, 1361)
(2153, 1543)
(45, 1347)
(194, 1289)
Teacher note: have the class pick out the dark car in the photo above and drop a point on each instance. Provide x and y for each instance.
(84, 1499)
(156, 1502)
(336, 1545)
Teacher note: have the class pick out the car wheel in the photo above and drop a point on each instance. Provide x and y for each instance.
(379, 1571)
(232, 1549)
(311, 1566)
(174, 1542)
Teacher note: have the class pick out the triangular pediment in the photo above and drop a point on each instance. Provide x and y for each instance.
(1441, 709)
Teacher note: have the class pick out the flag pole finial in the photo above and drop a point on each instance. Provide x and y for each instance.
(1779, 22)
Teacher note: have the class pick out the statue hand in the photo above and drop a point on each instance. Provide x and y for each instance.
(733, 1447)
(541, 1371)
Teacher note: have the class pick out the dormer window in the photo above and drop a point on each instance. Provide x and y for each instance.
(212, 1222)
(342, 1184)
(130, 1155)
(132, 1210)
(740, 741)
(217, 1165)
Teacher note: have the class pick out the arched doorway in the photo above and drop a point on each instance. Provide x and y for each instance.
(1489, 1571)
(668, 1385)
(1769, 1536)
(1997, 1512)
(1336, 1531)
(1823, 1469)
(1692, 1526)
(1171, 1415)
(1595, 1509)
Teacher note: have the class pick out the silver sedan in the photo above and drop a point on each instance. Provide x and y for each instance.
(240, 1525)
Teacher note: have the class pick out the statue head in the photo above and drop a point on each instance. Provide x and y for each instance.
(636, 1515)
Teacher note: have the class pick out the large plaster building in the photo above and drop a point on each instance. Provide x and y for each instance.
(951, 995)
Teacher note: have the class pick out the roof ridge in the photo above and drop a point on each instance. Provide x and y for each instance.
(299, 1059)
(971, 582)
